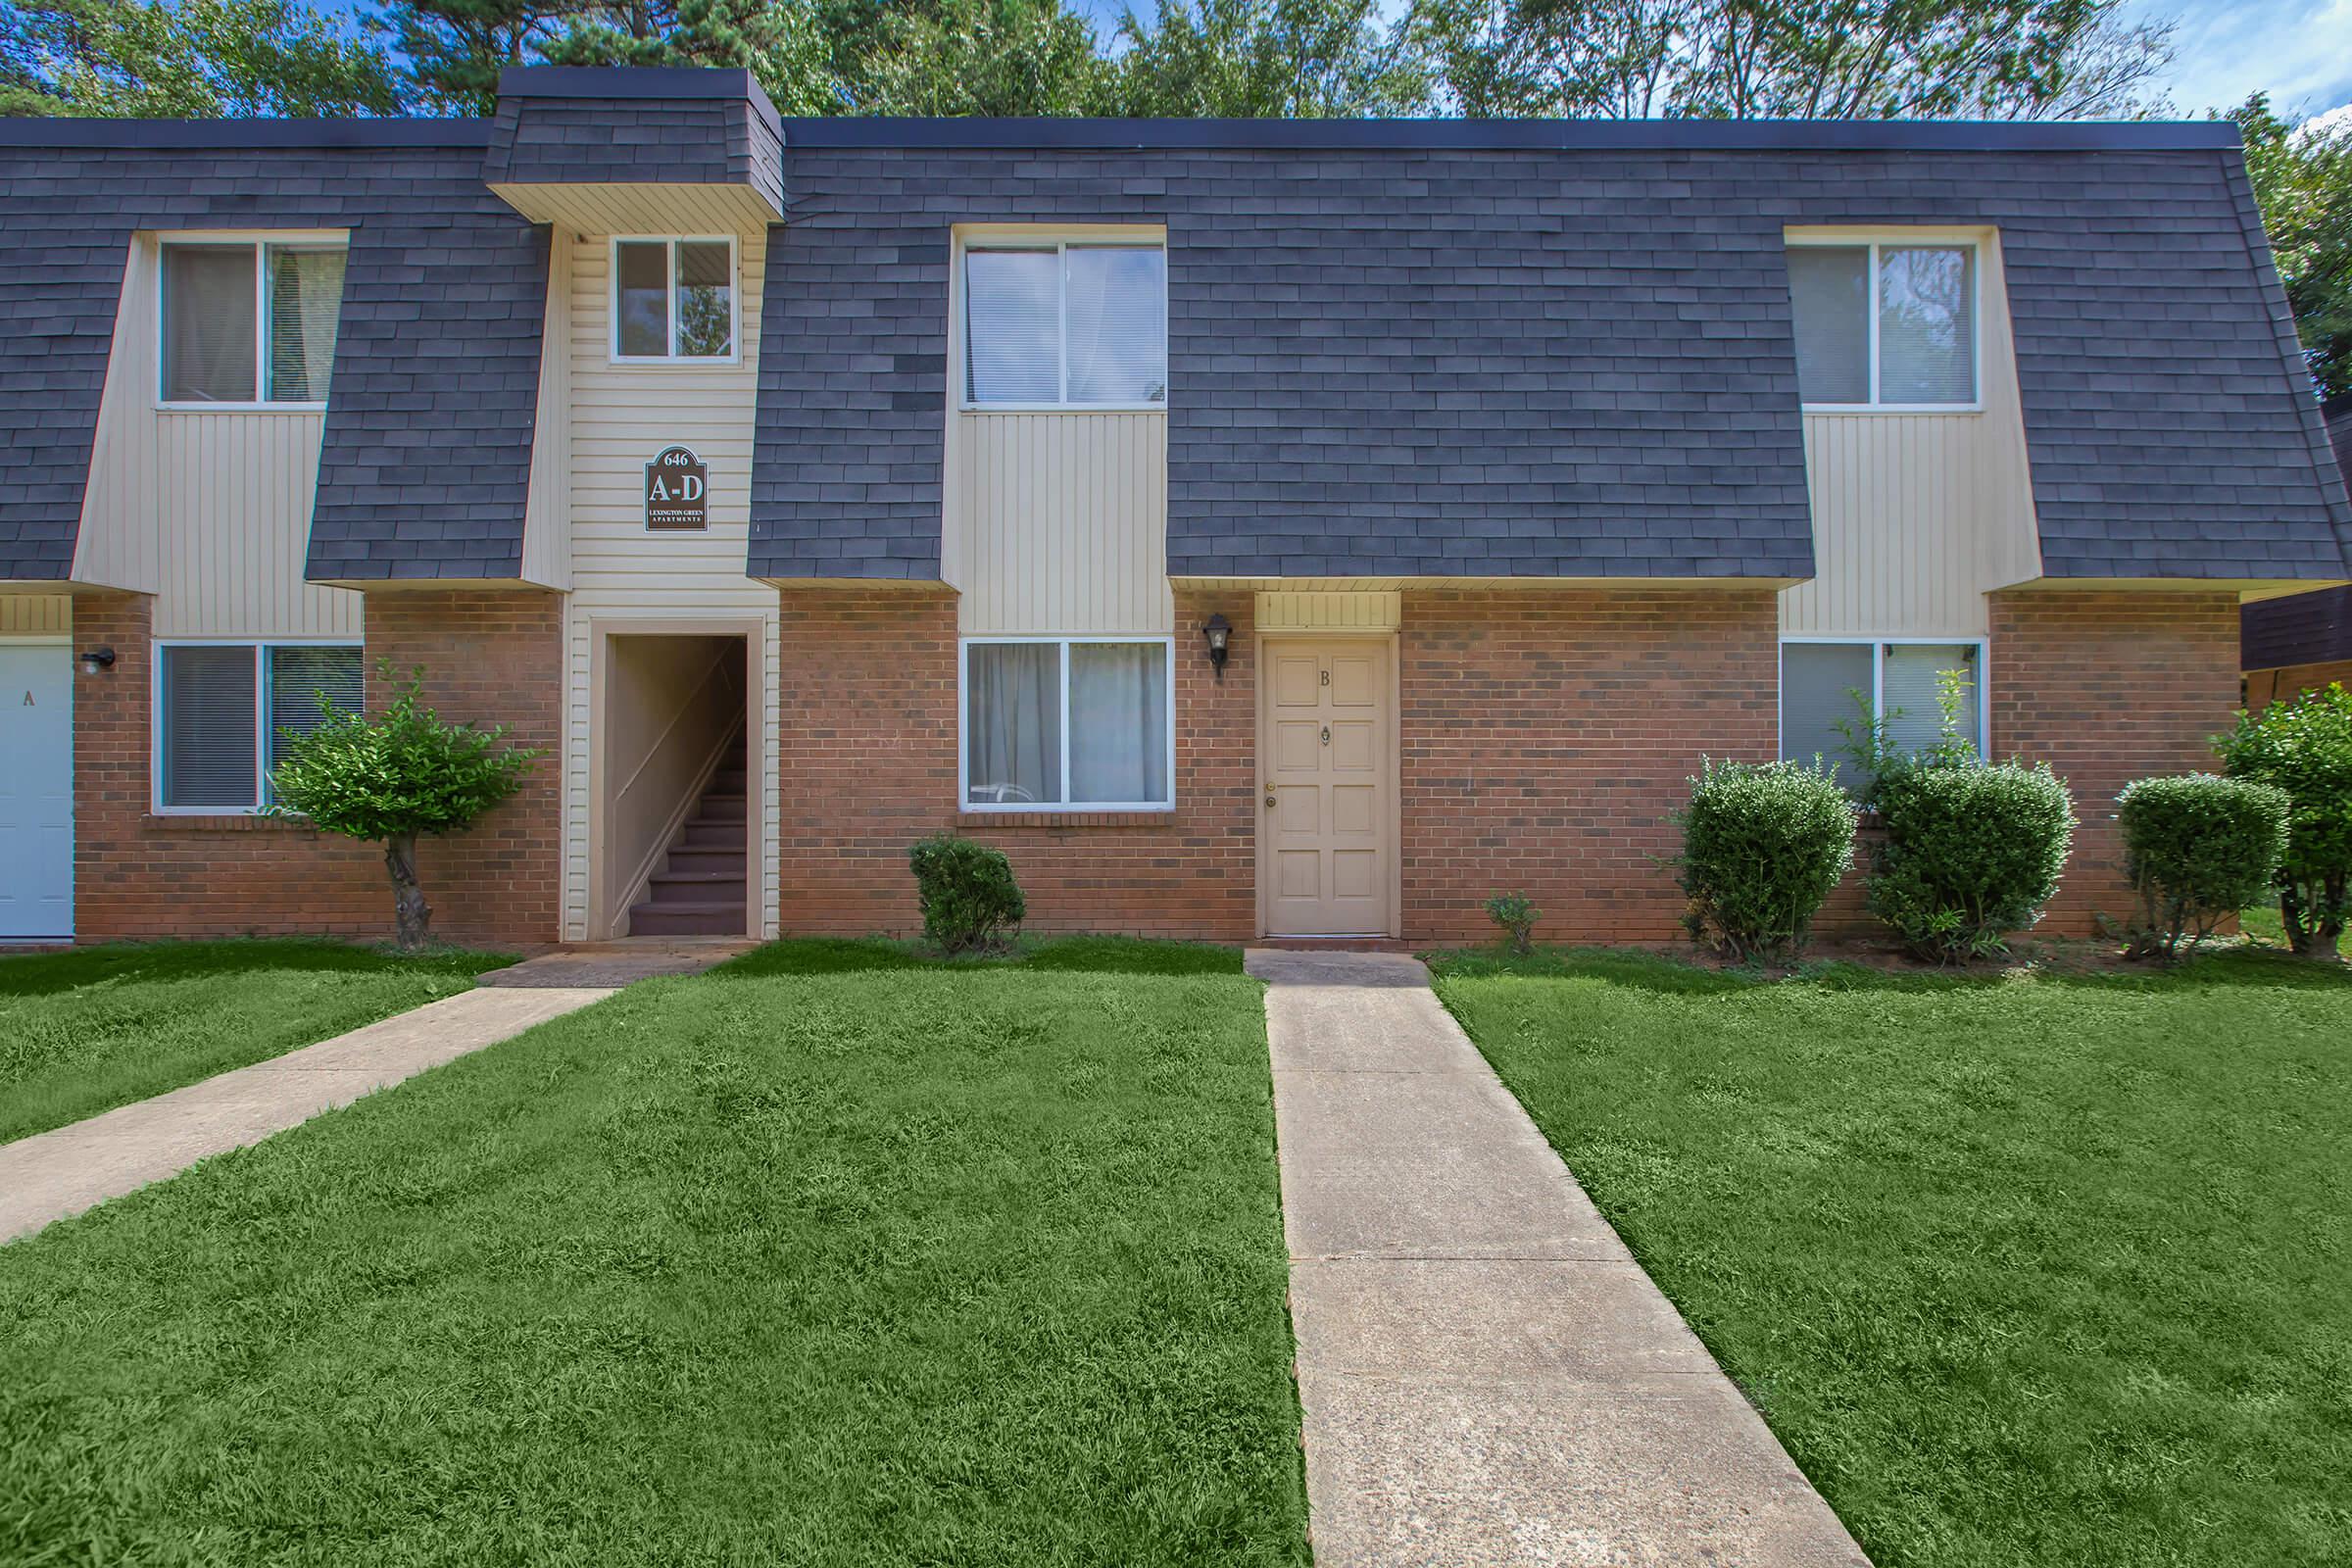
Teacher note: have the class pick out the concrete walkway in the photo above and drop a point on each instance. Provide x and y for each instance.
(52, 1175)
(1486, 1375)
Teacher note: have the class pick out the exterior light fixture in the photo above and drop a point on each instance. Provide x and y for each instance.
(1219, 632)
(97, 659)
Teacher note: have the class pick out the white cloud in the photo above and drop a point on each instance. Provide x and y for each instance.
(2298, 51)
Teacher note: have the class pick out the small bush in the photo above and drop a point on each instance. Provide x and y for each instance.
(1972, 853)
(1762, 846)
(1517, 917)
(969, 898)
(2304, 746)
(2198, 850)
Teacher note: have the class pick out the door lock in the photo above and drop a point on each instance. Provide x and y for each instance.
(1269, 795)
(1327, 734)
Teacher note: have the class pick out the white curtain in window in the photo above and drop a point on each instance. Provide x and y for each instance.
(208, 726)
(1012, 326)
(1912, 686)
(1012, 724)
(1829, 296)
(1119, 323)
(209, 326)
(642, 297)
(299, 677)
(1817, 681)
(306, 299)
(1927, 327)
(1120, 723)
(706, 300)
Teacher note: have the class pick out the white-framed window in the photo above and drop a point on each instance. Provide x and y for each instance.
(674, 299)
(1888, 325)
(1069, 324)
(224, 711)
(1068, 723)
(248, 323)
(1899, 677)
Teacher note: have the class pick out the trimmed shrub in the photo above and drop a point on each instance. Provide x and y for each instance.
(2198, 850)
(1763, 845)
(2304, 746)
(1972, 853)
(1517, 917)
(969, 898)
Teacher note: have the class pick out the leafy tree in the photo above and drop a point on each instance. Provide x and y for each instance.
(2304, 746)
(456, 48)
(394, 777)
(983, 57)
(1769, 59)
(1274, 58)
(782, 42)
(2303, 179)
(197, 59)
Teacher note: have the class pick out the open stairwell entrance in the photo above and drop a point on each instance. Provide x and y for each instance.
(678, 822)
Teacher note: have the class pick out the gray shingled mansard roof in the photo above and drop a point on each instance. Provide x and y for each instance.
(1435, 349)
(1545, 349)
(2308, 629)
(426, 456)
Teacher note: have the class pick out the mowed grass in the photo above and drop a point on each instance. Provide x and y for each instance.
(2023, 1271)
(88, 1029)
(829, 1256)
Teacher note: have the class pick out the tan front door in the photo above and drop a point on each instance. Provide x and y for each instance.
(1326, 748)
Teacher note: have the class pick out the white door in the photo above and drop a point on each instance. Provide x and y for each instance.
(1324, 743)
(37, 791)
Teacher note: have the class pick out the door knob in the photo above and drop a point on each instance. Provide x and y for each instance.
(1269, 795)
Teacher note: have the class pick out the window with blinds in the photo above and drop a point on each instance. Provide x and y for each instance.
(226, 714)
(1885, 325)
(1827, 685)
(1065, 325)
(249, 323)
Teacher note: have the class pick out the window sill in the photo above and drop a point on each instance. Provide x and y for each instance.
(240, 408)
(1064, 408)
(1049, 817)
(1892, 407)
(226, 822)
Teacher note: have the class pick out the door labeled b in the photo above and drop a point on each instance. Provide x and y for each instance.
(37, 791)
(1325, 745)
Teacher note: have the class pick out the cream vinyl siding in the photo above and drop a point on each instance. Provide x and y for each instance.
(35, 615)
(547, 513)
(1329, 612)
(208, 510)
(619, 416)
(1059, 523)
(1917, 516)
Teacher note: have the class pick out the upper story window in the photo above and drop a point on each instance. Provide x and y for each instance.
(673, 298)
(248, 323)
(1885, 325)
(1065, 325)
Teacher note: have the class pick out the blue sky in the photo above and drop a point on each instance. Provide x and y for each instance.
(2298, 49)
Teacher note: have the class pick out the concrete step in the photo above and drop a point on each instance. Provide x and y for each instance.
(728, 857)
(728, 781)
(717, 807)
(701, 835)
(700, 919)
(695, 887)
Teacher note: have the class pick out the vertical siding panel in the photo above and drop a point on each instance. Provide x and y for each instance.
(1062, 522)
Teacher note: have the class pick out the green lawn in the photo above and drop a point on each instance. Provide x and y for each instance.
(2023, 1271)
(88, 1029)
(2265, 923)
(830, 1256)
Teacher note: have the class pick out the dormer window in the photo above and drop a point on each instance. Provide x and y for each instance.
(1065, 325)
(249, 323)
(1885, 325)
(673, 298)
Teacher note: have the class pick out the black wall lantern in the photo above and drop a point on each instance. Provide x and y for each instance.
(96, 659)
(1219, 632)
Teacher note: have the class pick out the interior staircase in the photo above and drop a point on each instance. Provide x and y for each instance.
(701, 889)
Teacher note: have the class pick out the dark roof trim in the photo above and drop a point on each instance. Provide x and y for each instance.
(628, 83)
(195, 135)
(1568, 135)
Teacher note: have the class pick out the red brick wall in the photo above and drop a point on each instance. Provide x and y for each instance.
(2106, 687)
(868, 765)
(1547, 736)
(491, 656)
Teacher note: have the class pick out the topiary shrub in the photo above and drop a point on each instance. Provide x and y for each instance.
(2198, 850)
(1763, 845)
(2304, 746)
(1972, 853)
(969, 896)
(1517, 917)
